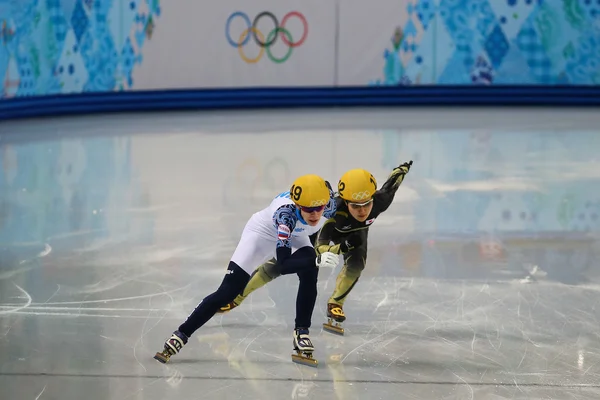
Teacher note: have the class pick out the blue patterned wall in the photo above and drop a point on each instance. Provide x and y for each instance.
(495, 42)
(72, 46)
(78, 46)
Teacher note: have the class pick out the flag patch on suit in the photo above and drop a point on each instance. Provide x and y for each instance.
(283, 232)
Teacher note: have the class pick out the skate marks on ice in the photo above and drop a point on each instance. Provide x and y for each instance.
(119, 283)
(464, 339)
(27, 258)
(481, 333)
(418, 337)
(459, 337)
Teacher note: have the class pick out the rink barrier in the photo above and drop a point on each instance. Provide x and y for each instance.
(308, 97)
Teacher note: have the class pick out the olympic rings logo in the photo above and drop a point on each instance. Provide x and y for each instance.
(259, 37)
(361, 195)
(318, 203)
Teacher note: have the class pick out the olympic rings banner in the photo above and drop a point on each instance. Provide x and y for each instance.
(241, 44)
(259, 38)
(104, 46)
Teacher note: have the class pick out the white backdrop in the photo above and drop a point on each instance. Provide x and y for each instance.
(191, 49)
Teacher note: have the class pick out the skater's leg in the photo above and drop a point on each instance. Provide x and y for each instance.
(252, 250)
(267, 272)
(260, 277)
(305, 304)
(354, 264)
(307, 290)
(235, 280)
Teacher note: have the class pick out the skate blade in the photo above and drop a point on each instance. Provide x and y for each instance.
(161, 358)
(337, 330)
(305, 360)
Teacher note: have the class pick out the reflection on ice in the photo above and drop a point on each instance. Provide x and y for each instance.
(481, 280)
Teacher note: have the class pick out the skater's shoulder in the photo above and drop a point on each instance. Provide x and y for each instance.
(285, 214)
(284, 220)
(331, 207)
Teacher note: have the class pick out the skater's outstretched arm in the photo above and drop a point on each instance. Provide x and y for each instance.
(386, 194)
(331, 206)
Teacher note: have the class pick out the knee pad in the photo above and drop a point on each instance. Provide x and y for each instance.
(269, 270)
(355, 263)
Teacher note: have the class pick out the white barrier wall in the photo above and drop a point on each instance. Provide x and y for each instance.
(236, 43)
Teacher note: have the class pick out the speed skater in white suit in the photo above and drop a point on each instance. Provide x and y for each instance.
(282, 231)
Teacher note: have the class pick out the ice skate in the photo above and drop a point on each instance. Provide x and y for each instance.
(172, 347)
(304, 348)
(335, 317)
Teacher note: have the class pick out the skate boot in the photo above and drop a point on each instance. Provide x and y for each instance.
(304, 348)
(227, 307)
(335, 317)
(172, 347)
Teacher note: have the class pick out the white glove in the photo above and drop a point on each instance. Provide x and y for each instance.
(328, 260)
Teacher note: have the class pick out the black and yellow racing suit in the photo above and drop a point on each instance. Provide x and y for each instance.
(342, 225)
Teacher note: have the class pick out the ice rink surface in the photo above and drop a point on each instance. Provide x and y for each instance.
(482, 280)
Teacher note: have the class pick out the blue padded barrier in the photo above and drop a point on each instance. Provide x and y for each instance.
(251, 98)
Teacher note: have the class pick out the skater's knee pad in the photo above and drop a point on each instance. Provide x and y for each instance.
(269, 270)
(353, 273)
(259, 279)
(355, 263)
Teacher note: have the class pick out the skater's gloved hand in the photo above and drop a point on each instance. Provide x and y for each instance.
(404, 168)
(351, 242)
(332, 193)
(328, 260)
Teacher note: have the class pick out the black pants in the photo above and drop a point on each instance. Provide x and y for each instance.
(235, 281)
(307, 288)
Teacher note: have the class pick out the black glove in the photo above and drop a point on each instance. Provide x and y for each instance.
(404, 168)
(351, 242)
(328, 185)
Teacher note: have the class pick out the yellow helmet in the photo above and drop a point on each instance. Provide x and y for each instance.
(309, 191)
(357, 186)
